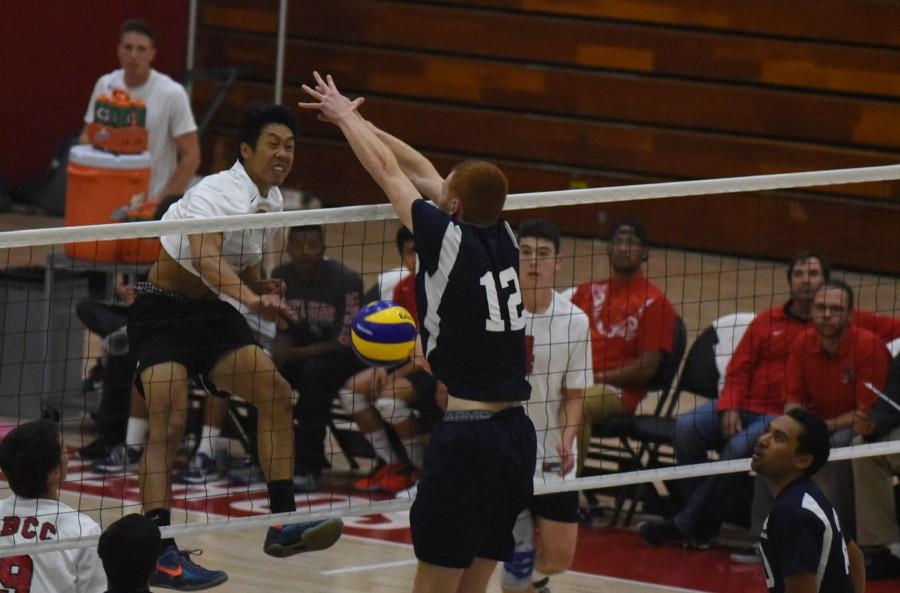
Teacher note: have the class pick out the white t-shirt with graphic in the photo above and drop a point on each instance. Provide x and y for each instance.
(168, 117)
(29, 520)
(558, 356)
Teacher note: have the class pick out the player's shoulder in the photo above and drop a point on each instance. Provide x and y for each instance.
(800, 501)
(166, 84)
(564, 307)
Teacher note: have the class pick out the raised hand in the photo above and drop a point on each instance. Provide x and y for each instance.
(330, 103)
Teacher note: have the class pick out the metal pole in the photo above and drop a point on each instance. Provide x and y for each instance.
(279, 60)
(191, 42)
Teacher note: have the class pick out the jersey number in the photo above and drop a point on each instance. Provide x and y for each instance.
(508, 280)
(15, 574)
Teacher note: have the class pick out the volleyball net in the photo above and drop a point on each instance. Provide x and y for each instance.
(59, 283)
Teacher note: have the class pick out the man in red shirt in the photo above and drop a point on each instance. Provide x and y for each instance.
(827, 372)
(632, 329)
(379, 395)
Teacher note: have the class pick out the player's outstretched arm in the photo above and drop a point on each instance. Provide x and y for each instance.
(372, 152)
(415, 166)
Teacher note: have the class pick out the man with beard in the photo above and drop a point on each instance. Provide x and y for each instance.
(632, 329)
(313, 352)
(186, 321)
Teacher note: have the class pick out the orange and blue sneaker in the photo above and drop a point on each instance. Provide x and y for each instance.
(175, 570)
(295, 538)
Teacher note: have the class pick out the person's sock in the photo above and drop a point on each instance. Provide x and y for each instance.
(281, 496)
(382, 444)
(209, 439)
(162, 518)
(136, 433)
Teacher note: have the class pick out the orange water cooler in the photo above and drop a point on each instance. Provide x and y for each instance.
(105, 188)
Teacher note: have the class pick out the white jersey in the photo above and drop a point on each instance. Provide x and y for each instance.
(29, 520)
(168, 117)
(558, 356)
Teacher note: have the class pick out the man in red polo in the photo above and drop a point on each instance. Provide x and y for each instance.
(827, 372)
(632, 329)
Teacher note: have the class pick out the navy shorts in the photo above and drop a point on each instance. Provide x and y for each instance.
(559, 506)
(478, 477)
(193, 333)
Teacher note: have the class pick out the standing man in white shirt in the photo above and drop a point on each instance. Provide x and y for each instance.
(34, 461)
(171, 130)
(560, 368)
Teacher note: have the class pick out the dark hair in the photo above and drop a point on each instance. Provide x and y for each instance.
(840, 285)
(805, 255)
(138, 26)
(541, 229)
(813, 439)
(481, 188)
(27, 456)
(403, 235)
(129, 549)
(257, 115)
(637, 229)
(307, 228)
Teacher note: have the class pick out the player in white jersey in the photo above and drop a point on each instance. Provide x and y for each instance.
(558, 357)
(33, 459)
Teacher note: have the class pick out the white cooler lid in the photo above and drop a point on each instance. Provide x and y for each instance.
(88, 156)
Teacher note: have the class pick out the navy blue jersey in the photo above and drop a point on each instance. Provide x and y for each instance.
(802, 534)
(470, 305)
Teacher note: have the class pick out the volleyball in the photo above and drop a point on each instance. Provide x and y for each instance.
(383, 334)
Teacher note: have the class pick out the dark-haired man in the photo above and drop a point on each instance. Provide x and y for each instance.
(187, 321)
(129, 549)
(171, 130)
(480, 460)
(802, 545)
(33, 460)
(313, 350)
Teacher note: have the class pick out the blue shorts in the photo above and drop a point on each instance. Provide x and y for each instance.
(478, 476)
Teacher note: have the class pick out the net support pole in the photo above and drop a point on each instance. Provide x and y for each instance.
(191, 42)
(279, 58)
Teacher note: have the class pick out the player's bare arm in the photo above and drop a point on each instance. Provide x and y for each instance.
(572, 417)
(373, 153)
(414, 165)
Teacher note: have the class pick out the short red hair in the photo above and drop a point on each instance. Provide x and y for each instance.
(481, 189)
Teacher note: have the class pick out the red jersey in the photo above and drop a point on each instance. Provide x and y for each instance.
(754, 379)
(405, 295)
(626, 320)
(834, 384)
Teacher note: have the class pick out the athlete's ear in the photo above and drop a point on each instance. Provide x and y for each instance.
(246, 151)
(802, 461)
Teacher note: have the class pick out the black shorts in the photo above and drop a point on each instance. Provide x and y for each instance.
(425, 403)
(478, 477)
(559, 506)
(193, 333)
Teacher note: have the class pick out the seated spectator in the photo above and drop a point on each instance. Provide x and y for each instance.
(387, 281)
(750, 399)
(33, 458)
(873, 482)
(827, 372)
(632, 329)
(314, 352)
(395, 393)
(129, 549)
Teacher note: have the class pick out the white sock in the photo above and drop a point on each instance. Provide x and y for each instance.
(209, 440)
(136, 433)
(382, 444)
(415, 449)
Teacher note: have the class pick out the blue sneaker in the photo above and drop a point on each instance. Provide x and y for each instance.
(200, 469)
(294, 538)
(175, 570)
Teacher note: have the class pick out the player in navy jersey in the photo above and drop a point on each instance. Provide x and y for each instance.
(802, 546)
(480, 460)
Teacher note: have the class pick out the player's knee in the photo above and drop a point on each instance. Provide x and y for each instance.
(174, 430)
(353, 402)
(555, 559)
(392, 409)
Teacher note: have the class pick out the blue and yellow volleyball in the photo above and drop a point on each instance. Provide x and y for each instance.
(383, 334)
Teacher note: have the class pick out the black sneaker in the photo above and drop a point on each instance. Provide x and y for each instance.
(660, 533)
(96, 449)
(745, 555)
(882, 565)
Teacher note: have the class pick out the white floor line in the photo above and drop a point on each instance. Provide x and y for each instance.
(633, 582)
(365, 567)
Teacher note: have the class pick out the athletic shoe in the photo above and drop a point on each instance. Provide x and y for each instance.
(306, 482)
(746, 555)
(245, 472)
(200, 469)
(96, 449)
(372, 482)
(176, 570)
(294, 538)
(398, 481)
(542, 586)
(659, 533)
(121, 460)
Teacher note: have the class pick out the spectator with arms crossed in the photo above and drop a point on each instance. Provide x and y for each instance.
(480, 460)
